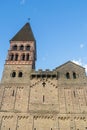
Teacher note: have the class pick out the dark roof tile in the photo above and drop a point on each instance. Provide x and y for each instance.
(25, 34)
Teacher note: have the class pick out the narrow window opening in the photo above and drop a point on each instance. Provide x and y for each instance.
(16, 57)
(74, 93)
(51, 128)
(9, 128)
(23, 57)
(11, 57)
(20, 74)
(34, 128)
(27, 57)
(13, 93)
(74, 75)
(14, 74)
(67, 75)
(43, 98)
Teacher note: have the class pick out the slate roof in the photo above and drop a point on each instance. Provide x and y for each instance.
(24, 34)
(71, 63)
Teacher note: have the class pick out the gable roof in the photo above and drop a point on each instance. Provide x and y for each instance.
(71, 63)
(24, 34)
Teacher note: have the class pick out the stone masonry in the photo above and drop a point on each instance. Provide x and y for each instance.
(40, 100)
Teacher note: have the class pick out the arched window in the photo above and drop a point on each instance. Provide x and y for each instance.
(74, 75)
(14, 47)
(20, 74)
(27, 47)
(27, 57)
(21, 47)
(13, 74)
(16, 57)
(23, 57)
(12, 57)
(67, 75)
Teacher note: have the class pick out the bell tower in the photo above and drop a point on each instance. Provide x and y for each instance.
(21, 57)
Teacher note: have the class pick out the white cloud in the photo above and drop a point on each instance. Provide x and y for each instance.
(79, 62)
(22, 2)
(81, 46)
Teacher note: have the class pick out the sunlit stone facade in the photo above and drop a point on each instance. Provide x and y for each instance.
(40, 100)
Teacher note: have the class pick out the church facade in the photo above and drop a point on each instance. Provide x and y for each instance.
(40, 100)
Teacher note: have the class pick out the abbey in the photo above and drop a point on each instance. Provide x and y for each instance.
(40, 100)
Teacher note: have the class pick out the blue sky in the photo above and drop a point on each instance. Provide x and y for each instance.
(59, 27)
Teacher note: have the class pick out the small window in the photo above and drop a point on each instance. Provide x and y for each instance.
(20, 74)
(74, 75)
(13, 74)
(67, 75)
(12, 57)
(23, 57)
(14, 47)
(43, 84)
(27, 48)
(21, 47)
(27, 57)
(16, 57)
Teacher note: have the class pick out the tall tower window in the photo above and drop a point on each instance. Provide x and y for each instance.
(23, 57)
(27, 57)
(67, 75)
(20, 74)
(16, 57)
(12, 57)
(21, 47)
(27, 48)
(13, 74)
(14, 47)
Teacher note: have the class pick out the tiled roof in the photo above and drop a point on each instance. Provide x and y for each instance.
(25, 34)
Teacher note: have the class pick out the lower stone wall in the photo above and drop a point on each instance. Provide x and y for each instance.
(26, 121)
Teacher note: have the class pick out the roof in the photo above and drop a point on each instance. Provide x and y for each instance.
(24, 34)
(71, 63)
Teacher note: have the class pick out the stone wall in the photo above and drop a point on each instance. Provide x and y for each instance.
(21, 121)
(9, 69)
(38, 98)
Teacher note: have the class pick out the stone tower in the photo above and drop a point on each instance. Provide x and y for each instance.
(21, 56)
(40, 100)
